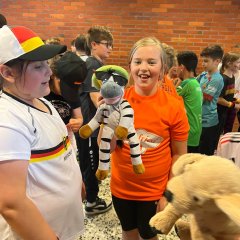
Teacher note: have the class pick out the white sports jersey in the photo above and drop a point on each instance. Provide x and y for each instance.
(229, 147)
(54, 178)
(237, 84)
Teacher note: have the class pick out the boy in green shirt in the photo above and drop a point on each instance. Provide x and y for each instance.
(191, 93)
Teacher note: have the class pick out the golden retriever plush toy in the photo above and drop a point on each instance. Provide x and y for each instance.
(207, 188)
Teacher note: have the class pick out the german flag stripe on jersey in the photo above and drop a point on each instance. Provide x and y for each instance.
(49, 154)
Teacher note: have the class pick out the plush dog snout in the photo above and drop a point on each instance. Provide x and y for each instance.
(168, 195)
(156, 231)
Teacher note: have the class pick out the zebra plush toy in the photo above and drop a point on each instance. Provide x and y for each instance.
(115, 116)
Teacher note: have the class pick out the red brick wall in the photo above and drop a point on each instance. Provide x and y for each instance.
(184, 24)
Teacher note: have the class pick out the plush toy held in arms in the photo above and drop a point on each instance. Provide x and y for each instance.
(116, 116)
(207, 188)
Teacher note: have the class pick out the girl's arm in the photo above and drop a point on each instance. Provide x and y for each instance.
(225, 103)
(178, 148)
(16, 208)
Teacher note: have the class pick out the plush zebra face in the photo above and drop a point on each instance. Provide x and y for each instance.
(111, 91)
(110, 80)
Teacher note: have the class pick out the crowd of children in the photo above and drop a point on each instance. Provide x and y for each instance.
(41, 184)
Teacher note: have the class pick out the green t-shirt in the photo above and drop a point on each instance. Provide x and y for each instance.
(191, 93)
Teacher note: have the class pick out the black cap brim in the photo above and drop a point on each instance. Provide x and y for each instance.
(44, 52)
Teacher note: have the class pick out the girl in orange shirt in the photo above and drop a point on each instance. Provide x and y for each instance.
(162, 127)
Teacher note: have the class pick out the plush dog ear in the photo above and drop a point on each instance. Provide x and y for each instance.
(230, 204)
(184, 162)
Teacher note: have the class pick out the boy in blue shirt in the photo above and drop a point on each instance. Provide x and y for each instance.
(211, 83)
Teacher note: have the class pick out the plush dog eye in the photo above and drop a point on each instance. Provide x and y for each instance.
(196, 199)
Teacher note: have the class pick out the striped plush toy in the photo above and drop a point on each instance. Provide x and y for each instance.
(115, 116)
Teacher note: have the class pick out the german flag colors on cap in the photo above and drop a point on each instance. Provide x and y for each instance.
(23, 43)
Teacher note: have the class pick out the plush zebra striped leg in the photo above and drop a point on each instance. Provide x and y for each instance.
(104, 148)
(135, 152)
(134, 148)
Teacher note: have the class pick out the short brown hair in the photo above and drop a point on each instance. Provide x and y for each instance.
(97, 34)
(81, 44)
(212, 51)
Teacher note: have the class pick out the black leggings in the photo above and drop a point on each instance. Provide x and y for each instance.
(238, 116)
(88, 158)
(136, 215)
(209, 140)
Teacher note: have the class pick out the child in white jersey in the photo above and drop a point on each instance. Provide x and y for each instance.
(40, 181)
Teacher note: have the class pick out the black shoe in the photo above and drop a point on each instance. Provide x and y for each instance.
(100, 206)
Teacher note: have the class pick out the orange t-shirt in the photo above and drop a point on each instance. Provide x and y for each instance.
(167, 85)
(157, 119)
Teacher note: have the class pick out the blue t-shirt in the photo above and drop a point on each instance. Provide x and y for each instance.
(210, 86)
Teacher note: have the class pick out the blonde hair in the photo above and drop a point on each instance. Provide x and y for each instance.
(171, 59)
(53, 41)
(228, 58)
(149, 41)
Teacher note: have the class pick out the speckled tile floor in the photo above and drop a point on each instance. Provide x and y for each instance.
(106, 226)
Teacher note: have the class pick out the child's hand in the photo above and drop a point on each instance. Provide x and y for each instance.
(237, 107)
(83, 191)
(237, 100)
(75, 124)
(162, 203)
(100, 101)
(177, 82)
(172, 73)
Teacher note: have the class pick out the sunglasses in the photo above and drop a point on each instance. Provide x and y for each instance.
(104, 76)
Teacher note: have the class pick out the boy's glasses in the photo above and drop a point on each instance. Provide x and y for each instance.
(107, 44)
(104, 76)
